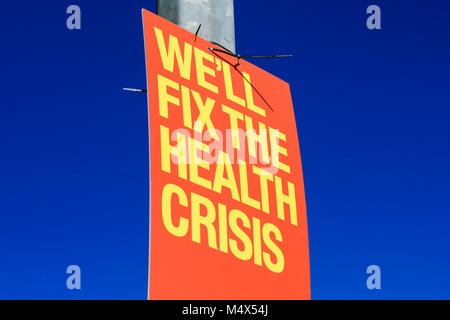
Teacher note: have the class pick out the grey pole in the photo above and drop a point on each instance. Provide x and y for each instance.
(215, 16)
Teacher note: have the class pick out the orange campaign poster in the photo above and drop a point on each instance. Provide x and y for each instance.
(227, 202)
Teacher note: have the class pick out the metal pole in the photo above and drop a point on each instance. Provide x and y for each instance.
(215, 16)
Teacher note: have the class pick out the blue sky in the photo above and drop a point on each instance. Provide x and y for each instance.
(372, 108)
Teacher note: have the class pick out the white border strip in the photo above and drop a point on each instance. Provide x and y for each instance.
(149, 164)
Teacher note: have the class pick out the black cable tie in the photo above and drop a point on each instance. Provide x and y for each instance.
(196, 33)
(251, 57)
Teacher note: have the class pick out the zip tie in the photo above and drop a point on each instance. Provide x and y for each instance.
(134, 90)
